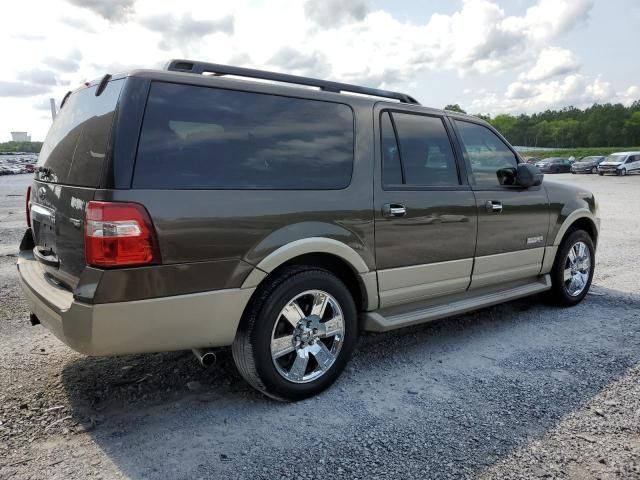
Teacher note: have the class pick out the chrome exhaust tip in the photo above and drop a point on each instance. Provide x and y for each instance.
(205, 356)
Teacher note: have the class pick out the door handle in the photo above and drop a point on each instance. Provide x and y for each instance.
(493, 206)
(394, 210)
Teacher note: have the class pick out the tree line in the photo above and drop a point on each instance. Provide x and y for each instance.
(605, 125)
(29, 147)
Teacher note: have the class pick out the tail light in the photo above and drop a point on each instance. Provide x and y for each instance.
(28, 206)
(119, 234)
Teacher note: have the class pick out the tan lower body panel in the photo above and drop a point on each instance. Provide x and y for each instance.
(180, 322)
(407, 284)
(492, 269)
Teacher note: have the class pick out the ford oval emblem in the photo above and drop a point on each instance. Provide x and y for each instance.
(42, 193)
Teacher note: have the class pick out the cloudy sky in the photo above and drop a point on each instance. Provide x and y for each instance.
(490, 56)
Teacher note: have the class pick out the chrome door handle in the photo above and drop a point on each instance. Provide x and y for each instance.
(493, 206)
(394, 210)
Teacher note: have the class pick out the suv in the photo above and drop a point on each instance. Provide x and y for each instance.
(174, 210)
(620, 163)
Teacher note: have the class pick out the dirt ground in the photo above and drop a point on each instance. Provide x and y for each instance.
(521, 390)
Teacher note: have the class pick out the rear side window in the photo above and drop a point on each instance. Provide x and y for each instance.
(76, 146)
(208, 138)
(424, 157)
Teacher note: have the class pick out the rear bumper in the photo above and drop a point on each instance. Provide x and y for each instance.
(180, 322)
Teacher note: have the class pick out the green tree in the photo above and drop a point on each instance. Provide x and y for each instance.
(454, 108)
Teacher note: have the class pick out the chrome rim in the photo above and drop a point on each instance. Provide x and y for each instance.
(307, 336)
(594, 170)
(623, 172)
(577, 268)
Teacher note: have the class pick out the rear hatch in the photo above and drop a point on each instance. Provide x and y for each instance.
(70, 168)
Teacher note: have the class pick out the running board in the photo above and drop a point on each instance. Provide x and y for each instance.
(377, 322)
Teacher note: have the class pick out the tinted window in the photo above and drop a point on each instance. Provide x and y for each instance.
(486, 151)
(425, 151)
(391, 167)
(208, 138)
(77, 142)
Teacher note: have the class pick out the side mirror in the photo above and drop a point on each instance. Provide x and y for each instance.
(528, 175)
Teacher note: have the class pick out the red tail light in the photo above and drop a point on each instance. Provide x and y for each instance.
(119, 234)
(28, 206)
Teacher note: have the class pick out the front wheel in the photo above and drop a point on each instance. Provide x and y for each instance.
(622, 172)
(594, 170)
(573, 269)
(600, 173)
(297, 334)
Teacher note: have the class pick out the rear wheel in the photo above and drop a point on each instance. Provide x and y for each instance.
(297, 334)
(573, 269)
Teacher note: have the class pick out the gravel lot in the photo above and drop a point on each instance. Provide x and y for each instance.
(521, 390)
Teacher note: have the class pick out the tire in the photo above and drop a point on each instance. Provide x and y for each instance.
(264, 321)
(594, 170)
(622, 172)
(563, 291)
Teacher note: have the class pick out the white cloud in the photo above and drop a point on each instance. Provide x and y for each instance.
(344, 40)
(552, 61)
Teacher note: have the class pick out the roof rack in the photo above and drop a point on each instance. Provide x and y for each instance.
(200, 68)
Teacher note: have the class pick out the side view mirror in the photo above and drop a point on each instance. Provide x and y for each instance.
(528, 175)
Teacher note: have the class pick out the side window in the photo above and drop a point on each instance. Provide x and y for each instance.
(210, 138)
(425, 153)
(391, 167)
(486, 151)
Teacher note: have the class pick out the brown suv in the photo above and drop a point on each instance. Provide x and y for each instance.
(175, 210)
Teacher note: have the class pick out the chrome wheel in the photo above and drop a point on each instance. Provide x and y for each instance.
(623, 172)
(577, 268)
(307, 336)
(594, 170)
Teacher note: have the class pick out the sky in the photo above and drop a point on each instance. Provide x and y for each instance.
(489, 56)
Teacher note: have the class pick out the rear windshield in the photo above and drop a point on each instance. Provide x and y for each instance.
(209, 138)
(76, 145)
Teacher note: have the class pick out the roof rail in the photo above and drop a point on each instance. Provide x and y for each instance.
(200, 68)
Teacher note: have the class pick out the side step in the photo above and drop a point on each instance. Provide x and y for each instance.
(377, 322)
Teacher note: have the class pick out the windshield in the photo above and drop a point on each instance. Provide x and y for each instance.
(77, 142)
(615, 158)
(591, 159)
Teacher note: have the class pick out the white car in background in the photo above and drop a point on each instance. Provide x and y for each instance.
(620, 163)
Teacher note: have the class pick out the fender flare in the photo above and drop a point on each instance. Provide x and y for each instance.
(570, 220)
(302, 247)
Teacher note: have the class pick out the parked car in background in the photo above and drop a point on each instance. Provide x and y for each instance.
(587, 164)
(204, 211)
(554, 165)
(620, 163)
(532, 160)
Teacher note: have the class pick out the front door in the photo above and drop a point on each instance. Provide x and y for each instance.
(513, 222)
(425, 222)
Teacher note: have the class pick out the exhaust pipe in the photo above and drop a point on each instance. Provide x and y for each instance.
(205, 356)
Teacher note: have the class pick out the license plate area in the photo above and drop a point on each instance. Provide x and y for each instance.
(43, 225)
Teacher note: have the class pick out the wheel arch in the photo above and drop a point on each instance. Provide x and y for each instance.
(579, 219)
(332, 255)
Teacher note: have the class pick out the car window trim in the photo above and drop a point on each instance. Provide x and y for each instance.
(461, 179)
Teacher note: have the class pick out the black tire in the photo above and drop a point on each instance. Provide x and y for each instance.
(252, 346)
(600, 173)
(558, 294)
(594, 170)
(622, 172)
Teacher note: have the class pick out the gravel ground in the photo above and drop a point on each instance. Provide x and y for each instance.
(521, 390)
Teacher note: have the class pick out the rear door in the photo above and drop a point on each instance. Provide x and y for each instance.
(425, 218)
(70, 169)
(513, 222)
